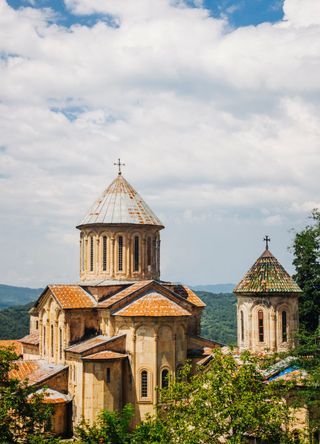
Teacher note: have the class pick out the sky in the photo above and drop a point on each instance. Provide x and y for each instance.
(213, 105)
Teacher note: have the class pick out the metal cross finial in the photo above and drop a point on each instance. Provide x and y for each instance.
(267, 240)
(119, 165)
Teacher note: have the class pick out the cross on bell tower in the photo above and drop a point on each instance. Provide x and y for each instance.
(267, 240)
(119, 165)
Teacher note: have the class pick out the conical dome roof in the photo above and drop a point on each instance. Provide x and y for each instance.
(120, 204)
(267, 275)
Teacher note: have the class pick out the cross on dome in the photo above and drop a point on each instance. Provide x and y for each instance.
(119, 165)
(267, 240)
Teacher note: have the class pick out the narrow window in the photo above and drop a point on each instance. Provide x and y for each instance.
(91, 253)
(52, 343)
(60, 342)
(37, 325)
(144, 384)
(44, 340)
(242, 325)
(284, 326)
(165, 378)
(149, 252)
(108, 375)
(136, 253)
(120, 253)
(260, 326)
(104, 253)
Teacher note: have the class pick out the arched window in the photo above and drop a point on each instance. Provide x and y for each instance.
(44, 340)
(120, 253)
(52, 342)
(60, 343)
(104, 253)
(149, 243)
(91, 253)
(144, 384)
(165, 378)
(284, 326)
(136, 253)
(260, 326)
(242, 325)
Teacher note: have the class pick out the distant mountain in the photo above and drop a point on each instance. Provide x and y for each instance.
(214, 288)
(14, 321)
(10, 296)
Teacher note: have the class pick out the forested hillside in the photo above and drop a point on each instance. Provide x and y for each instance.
(219, 317)
(218, 320)
(10, 295)
(14, 321)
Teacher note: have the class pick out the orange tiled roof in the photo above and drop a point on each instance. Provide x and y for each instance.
(152, 304)
(32, 338)
(105, 355)
(123, 294)
(192, 297)
(72, 296)
(35, 371)
(12, 343)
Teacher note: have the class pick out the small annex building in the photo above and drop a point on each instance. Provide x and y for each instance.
(119, 332)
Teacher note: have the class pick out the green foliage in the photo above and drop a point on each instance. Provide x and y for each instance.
(111, 428)
(225, 399)
(14, 321)
(308, 359)
(219, 317)
(306, 249)
(151, 431)
(23, 416)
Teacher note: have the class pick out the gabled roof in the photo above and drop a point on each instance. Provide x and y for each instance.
(267, 275)
(152, 304)
(69, 296)
(120, 204)
(105, 355)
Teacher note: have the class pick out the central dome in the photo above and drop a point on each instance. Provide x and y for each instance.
(120, 237)
(120, 203)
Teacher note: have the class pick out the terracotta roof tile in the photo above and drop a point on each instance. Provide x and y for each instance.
(123, 294)
(12, 343)
(191, 296)
(72, 296)
(152, 304)
(35, 371)
(32, 338)
(104, 356)
(267, 275)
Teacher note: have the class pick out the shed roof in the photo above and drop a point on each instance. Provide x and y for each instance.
(267, 275)
(35, 371)
(32, 338)
(72, 296)
(120, 203)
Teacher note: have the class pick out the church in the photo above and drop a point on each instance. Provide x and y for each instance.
(121, 331)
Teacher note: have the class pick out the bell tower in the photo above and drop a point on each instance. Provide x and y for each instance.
(119, 237)
(267, 306)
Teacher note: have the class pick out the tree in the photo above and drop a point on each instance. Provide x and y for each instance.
(306, 249)
(23, 416)
(111, 428)
(226, 399)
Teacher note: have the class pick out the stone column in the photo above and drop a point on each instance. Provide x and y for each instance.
(273, 330)
(143, 259)
(112, 257)
(156, 341)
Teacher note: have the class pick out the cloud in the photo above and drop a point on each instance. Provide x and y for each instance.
(215, 124)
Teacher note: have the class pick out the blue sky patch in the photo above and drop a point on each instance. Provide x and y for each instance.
(238, 12)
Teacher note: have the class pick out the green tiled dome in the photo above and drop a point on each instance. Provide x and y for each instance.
(267, 275)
